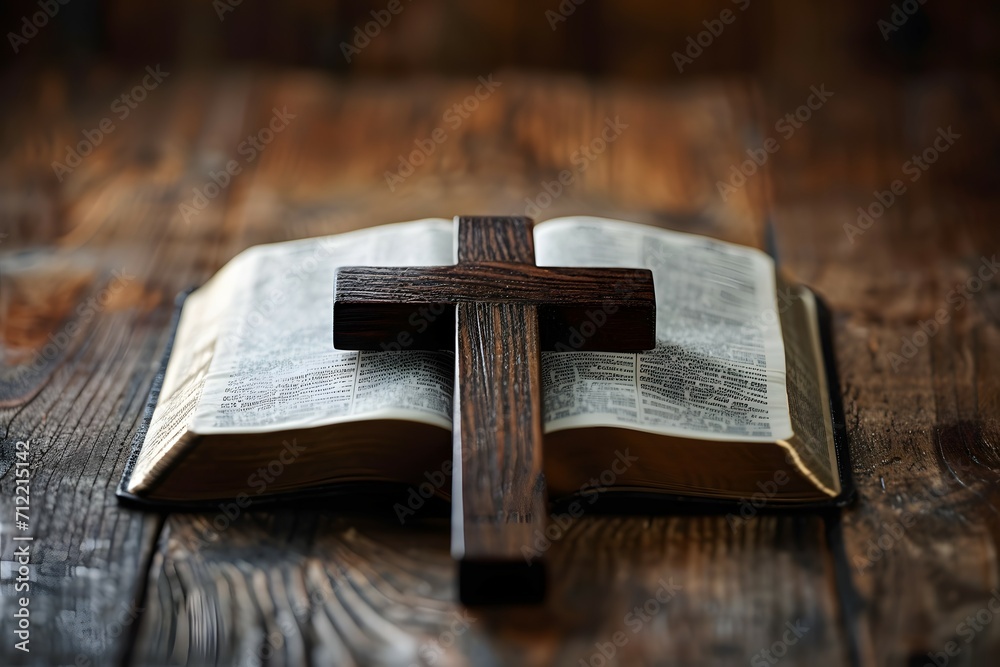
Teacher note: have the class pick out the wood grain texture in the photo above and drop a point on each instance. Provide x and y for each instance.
(504, 240)
(499, 495)
(323, 585)
(368, 315)
(494, 282)
(499, 499)
(374, 306)
(922, 541)
(84, 318)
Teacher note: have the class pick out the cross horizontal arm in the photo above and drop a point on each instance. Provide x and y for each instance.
(378, 308)
(493, 282)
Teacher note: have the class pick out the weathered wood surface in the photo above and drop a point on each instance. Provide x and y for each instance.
(324, 586)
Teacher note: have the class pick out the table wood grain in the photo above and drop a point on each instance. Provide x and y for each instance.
(89, 266)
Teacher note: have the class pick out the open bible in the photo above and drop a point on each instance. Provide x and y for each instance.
(734, 402)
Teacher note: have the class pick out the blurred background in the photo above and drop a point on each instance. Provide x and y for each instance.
(630, 40)
(66, 63)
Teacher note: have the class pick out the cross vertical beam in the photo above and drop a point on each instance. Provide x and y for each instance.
(498, 499)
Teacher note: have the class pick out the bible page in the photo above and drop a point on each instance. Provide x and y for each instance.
(275, 367)
(718, 369)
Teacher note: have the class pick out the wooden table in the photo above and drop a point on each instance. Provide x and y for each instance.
(888, 581)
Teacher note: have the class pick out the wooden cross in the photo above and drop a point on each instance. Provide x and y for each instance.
(498, 311)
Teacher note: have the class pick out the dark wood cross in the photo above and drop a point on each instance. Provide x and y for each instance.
(498, 311)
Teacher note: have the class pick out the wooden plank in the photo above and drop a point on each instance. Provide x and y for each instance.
(81, 327)
(921, 398)
(353, 591)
